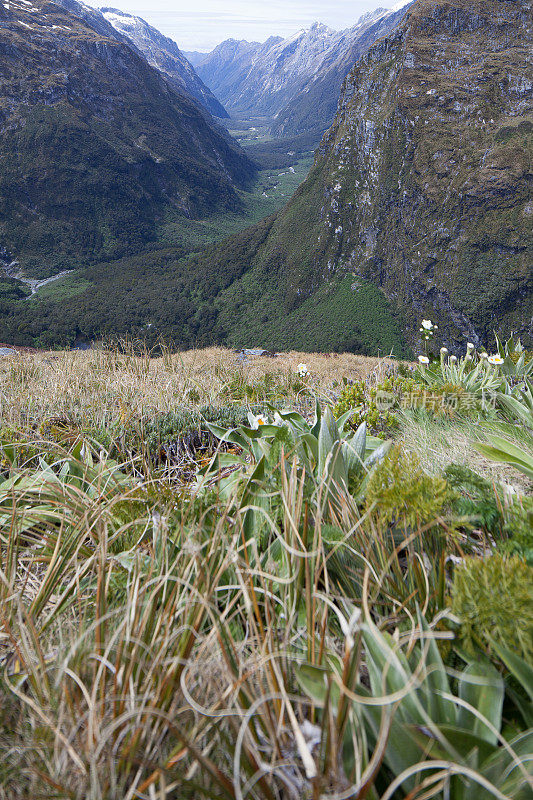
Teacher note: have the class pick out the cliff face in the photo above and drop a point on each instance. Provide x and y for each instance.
(165, 55)
(428, 167)
(94, 143)
(424, 182)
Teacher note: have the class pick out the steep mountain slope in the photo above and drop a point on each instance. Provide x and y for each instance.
(194, 57)
(313, 107)
(258, 79)
(94, 144)
(423, 186)
(305, 70)
(164, 54)
(227, 68)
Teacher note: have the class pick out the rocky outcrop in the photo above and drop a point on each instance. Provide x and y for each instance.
(94, 143)
(428, 167)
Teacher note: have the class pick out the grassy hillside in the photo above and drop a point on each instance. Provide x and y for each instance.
(267, 578)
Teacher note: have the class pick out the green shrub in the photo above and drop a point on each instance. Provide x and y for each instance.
(475, 498)
(493, 598)
(519, 527)
(401, 493)
(366, 403)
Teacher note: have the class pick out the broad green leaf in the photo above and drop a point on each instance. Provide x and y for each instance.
(481, 685)
(436, 684)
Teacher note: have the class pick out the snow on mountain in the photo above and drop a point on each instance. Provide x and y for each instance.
(164, 54)
(259, 79)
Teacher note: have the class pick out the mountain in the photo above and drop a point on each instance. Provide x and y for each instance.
(421, 188)
(313, 107)
(164, 54)
(263, 80)
(95, 144)
(194, 57)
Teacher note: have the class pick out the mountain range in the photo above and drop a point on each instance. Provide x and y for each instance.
(418, 203)
(295, 81)
(164, 54)
(95, 143)
(422, 187)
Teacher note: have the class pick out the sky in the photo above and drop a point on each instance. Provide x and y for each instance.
(202, 24)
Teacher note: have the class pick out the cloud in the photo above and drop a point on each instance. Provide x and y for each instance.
(208, 22)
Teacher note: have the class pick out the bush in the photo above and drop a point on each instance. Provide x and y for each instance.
(475, 498)
(493, 598)
(519, 527)
(401, 493)
(365, 402)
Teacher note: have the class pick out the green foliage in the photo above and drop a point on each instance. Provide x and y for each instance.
(425, 717)
(518, 362)
(493, 598)
(363, 401)
(501, 449)
(519, 528)
(476, 499)
(399, 492)
(331, 460)
(474, 375)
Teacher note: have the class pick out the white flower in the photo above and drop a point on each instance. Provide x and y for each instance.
(427, 324)
(257, 421)
(495, 360)
(302, 370)
(423, 359)
(444, 351)
(470, 347)
(453, 359)
(483, 356)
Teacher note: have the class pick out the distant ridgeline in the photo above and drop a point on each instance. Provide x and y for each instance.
(418, 204)
(295, 81)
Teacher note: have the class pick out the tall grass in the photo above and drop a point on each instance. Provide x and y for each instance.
(153, 646)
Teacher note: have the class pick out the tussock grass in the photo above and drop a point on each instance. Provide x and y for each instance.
(278, 632)
(443, 442)
(102, 384)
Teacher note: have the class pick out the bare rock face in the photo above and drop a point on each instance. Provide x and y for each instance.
(95, 143)
(428, 182)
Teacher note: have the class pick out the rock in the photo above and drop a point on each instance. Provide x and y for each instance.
(244, 355)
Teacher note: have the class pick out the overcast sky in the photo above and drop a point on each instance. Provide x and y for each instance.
(202, 24)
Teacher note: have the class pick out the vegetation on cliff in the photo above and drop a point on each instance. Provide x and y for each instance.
(95, 145)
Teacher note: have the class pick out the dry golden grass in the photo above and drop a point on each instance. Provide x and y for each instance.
(100, 384)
